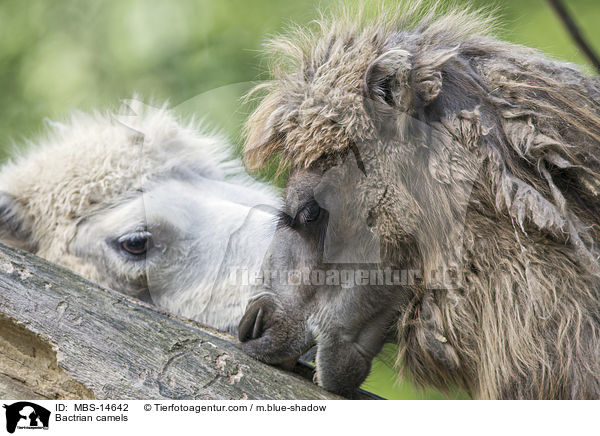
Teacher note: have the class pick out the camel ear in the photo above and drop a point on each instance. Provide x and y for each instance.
(387, 78)
(428, 84)
(427, 74)
(14, 228)
(396, 79)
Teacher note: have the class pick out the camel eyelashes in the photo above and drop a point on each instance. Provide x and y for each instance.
(308, 213)
(284, 220)
(135, 244)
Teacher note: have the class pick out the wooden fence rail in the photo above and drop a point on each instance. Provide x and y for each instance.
(64, 337)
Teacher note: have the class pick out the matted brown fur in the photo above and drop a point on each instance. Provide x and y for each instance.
(526, 324)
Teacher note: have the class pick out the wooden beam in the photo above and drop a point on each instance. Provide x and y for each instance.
(62, 336)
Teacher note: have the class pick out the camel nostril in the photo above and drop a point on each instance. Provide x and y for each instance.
(251, 324)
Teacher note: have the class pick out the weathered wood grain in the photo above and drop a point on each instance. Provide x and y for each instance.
(62, 336)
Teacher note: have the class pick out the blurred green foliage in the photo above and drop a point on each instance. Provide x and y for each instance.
(200, 54)
(65, 54)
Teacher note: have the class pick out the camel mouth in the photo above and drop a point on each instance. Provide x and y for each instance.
(342, 370)
(270, 350)
(271, 336)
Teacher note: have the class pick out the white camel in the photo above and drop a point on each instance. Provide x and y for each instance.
(144, 204)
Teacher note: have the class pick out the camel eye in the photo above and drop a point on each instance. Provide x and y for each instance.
(309, 213)
(135, 244)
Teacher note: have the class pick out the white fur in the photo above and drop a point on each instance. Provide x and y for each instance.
(99, 177)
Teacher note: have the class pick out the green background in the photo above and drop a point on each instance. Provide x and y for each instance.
(56, 56)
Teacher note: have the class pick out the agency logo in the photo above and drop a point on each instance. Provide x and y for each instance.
(26, 415)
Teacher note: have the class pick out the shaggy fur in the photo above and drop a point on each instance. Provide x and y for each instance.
(90, 162)
(520, 130)
(72, 197)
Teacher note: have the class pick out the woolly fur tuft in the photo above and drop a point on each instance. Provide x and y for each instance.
(91, 161)
(526, 323)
